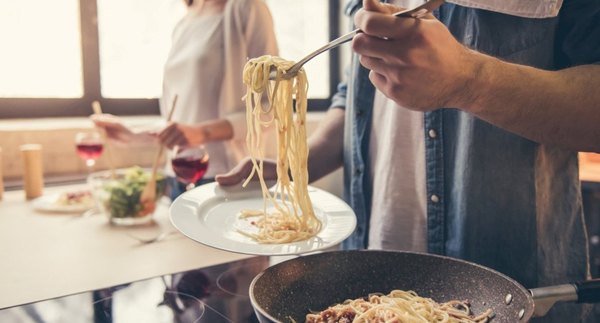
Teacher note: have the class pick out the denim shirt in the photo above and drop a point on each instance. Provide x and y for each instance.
(494, 198)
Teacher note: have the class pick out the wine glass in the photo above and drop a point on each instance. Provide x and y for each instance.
(189, 164)
(89, 146)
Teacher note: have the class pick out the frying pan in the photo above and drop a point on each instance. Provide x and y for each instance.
(291, 289)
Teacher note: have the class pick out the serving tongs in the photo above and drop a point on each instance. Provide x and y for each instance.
(417, 12)
(148, 195)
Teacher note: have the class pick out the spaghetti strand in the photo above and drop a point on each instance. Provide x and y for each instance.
(293, 218)
(399, 307)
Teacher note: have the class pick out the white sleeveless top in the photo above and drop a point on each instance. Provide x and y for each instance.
(194, 72)
(204, 68)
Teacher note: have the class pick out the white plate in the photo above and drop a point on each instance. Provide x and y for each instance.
(209, 214)
(47, 203)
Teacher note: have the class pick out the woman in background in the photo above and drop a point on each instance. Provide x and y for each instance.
(210, 46)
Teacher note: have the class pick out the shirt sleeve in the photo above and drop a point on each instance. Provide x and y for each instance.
(338, 100)
(260, 32)
(578, 34)
(259, 35)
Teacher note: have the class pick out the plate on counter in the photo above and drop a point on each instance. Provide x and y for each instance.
(209, 214)
(64, 202)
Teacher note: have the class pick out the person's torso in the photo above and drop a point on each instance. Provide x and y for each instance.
(492, 197)
(397, 157)
(194, 72)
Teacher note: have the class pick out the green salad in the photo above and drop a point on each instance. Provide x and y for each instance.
(123, 193)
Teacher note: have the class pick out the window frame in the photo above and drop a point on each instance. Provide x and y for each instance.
(11, 108)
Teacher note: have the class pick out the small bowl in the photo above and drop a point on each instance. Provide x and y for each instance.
(118, 195)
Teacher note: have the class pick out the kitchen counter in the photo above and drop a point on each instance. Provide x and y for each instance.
(49, 255)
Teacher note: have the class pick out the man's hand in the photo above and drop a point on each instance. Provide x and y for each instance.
(415, 62)
(242, 170)
(418, 64)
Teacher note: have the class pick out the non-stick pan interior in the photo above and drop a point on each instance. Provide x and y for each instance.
(288, 291)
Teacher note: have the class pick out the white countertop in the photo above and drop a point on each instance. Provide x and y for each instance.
(49, 255)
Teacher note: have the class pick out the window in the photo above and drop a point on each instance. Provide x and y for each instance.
(134, 40)
(298, 36)
(68, 53)
(43, 48)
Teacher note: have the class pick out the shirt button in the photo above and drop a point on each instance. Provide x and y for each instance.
(357, 171)
(359, 113)
(432, 133)
(435, 198)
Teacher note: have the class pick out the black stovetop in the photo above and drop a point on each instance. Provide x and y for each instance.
(212, 295)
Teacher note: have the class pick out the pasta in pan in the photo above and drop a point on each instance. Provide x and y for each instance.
(293, 218)
(398, 307)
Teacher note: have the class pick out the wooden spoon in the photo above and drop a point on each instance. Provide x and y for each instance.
(111, 165)
(148, 196)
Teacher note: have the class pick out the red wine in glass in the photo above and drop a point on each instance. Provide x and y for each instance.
(190, 164)
(89, 147)
(89, 150)
(190, 169)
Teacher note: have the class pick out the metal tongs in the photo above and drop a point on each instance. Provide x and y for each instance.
(417, 12)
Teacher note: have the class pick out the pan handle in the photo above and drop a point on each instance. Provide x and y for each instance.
(581, 292)
(588, 291)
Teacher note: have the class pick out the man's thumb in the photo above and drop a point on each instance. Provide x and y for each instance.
(378, 6)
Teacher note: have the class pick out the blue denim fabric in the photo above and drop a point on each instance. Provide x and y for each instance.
(176, 188)
(501, 200)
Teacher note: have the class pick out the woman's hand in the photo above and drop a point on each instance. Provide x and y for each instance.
(179, 134)
(243, 169)
(415, 62)
(114, 127)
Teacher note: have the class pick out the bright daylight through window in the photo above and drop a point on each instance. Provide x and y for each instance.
(41, 49)
(55, 59)
(131, 57)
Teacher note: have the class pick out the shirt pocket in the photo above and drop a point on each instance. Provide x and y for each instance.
(500, 35)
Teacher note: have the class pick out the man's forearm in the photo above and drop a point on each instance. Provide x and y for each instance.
(326, 145)
(551, 107)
